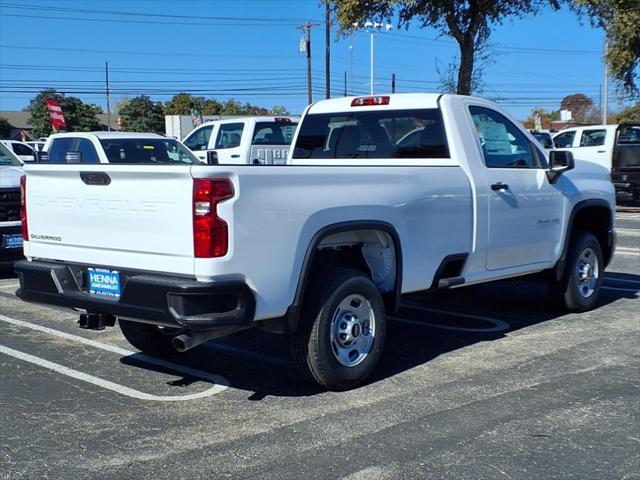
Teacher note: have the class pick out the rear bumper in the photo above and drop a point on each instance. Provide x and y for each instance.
(150, 298)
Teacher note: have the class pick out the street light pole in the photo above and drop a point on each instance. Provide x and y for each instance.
(372, 27)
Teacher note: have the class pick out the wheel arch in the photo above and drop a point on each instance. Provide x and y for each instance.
(391, 298)
(595, 216)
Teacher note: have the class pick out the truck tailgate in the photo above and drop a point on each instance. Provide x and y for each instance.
(141, 219)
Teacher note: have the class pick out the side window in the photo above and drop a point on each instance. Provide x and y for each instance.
(89, 153)
(199, 139)
(20, 149)
(564, 140)
(59, 148)
(503, 144)
(592, 138)
(229, 135)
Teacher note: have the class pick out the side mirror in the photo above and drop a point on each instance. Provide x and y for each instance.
(73, 157)
(212, 157)
(560, 161)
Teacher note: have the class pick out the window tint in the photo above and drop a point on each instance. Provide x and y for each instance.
(375, 134)
(147, 150)
(59, 148)
(199, 140)
(544, 138)
(564, 140)
(21, 149)
(89, 154)
(592, 138)
(229, 135)
(273, 133)
(503, 144)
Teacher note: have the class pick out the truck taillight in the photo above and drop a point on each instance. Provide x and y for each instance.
(210, 232)
(23, 207)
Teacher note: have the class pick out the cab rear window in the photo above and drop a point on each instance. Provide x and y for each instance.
(377, 134)
(273, 133)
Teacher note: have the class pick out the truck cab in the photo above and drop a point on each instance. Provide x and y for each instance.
(244, 140)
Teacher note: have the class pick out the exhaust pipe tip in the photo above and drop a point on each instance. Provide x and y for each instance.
(182, 343)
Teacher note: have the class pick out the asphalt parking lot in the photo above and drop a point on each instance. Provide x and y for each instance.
(480, 383)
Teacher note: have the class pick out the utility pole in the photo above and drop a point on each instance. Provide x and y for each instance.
(327, 48)
(605, 86)
(306, 28)
(393, 83)
(106, 71)
(345, 83)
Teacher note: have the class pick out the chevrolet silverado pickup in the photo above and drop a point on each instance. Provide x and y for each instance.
(382, 196)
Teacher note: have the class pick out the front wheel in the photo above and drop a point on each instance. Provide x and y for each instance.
(579, 288)
(342, 330)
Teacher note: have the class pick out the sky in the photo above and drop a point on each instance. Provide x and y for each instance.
(249, 50)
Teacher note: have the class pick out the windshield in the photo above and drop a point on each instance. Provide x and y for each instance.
(544, 139)
(274, 133)
(8, 158)
(147, 150)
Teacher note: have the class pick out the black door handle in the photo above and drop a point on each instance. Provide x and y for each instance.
(499, 187)
(235, 156)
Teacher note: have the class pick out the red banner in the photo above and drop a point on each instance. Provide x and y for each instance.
(56, 117)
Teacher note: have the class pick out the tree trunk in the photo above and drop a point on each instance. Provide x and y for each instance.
(465, 73)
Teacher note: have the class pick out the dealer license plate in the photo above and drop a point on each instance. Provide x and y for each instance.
(103, 281)
(12, 241)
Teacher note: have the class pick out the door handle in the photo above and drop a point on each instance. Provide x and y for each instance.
(95, 178)
(601, 151)
(235, 156)
(499, 187)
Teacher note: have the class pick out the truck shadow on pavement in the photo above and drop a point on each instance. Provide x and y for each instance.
(427, 326)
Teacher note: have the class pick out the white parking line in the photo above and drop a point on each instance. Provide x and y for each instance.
(219, 383)
(631, 252)
(498, 325)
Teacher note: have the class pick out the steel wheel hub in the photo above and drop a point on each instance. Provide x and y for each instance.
(587, 273)
(352, 330)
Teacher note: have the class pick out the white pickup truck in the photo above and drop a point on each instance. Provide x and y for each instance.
(244, 140)
(382, 196)
(10, 228)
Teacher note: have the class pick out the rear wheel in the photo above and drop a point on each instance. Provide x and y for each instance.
(579, 288)
(150, 339)
(342, 330)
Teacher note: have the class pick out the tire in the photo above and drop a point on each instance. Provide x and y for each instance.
(342, 329)
(150, 339)
(579, 288)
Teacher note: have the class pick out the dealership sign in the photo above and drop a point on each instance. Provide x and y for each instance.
(56, 117)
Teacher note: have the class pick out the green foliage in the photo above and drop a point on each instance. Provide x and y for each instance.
(468, 22)
(279, 110)
(621, 20)
(580, 106)
(79, 117)
(5, 127)
(183, 103)
(141, 114)
(630, 115)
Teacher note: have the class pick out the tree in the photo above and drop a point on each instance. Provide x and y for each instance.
(5, 127)
(183, 103)
(579, 105)
(545, 116)
(232, 107)
(141, 114)
(469, 22)
(78, 115)
(630, 115)
(279, 110)
(620, 20)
